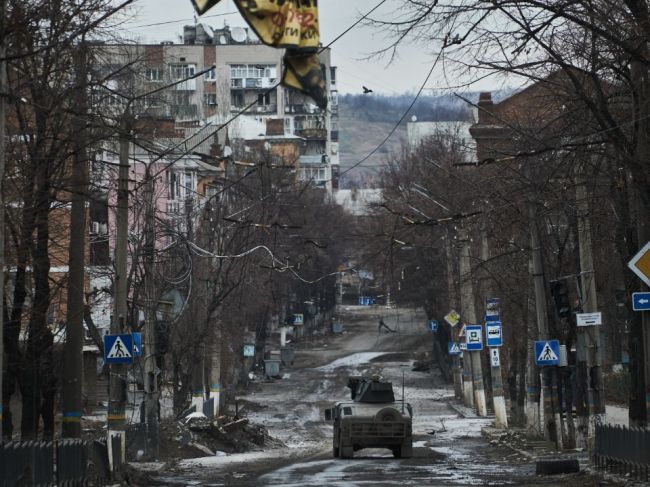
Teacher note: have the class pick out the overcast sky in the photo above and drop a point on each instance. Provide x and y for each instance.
(404, 74)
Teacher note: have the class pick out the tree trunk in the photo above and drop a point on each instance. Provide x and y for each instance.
(38, 358)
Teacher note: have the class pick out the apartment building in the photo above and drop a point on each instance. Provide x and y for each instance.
(239, 78)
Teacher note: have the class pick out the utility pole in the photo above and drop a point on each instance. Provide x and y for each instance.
(457, 371)
(117, 382)
(595, 393)
(73, 356)
(468, 312)
(151, 394)
(3, 116)
(551, 426)
(498, 399)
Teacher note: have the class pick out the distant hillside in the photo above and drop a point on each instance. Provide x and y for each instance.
(365, 120)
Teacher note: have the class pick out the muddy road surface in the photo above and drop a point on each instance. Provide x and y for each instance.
(448, 449)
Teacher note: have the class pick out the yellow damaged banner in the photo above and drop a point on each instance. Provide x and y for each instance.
(289, 24)
(284, 23)
(202, 6)
(304, 73)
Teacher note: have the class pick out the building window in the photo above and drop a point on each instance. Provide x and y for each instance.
(174, 186)
(189, 184)
(237, 99)
(211, 75)
(253, 74)
(153, 74)
(211, 99)
(264, 99)
(180, 98)
(181, 71)
(313, 174)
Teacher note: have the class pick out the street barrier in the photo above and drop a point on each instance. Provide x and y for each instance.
(623, 450)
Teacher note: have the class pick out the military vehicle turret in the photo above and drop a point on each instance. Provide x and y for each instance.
(372, 419)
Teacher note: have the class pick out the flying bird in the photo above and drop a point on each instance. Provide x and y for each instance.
(366, 90)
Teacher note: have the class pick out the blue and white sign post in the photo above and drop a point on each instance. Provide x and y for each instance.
(432, 325)
(494, 340)
(493, 334)
(453, 348)
(118, 349)
(641, 301)
(474, 337)
(137, 344)
(547, 352)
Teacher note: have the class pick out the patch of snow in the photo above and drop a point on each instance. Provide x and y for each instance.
(617, 415)
(195, 415)
(351, 360)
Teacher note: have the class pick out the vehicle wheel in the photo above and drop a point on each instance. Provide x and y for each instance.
(407, 449)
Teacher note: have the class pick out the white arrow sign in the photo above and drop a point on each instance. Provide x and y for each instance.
(494, 357)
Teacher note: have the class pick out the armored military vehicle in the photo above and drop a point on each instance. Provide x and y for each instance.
(372, 419)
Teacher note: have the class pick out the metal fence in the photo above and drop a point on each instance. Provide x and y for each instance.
(65, 463)
(623, 450)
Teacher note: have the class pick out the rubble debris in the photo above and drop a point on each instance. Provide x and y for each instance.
(421, 366)
(199, 436)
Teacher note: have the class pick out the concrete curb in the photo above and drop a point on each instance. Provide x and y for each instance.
(463, 411)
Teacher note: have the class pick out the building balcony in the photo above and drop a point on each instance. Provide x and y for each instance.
(302, 109)
(185, 112)
(311, 133)
(252, 83)
(255, 109)
(313, 159)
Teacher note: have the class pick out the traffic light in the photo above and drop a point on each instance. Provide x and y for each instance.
(560, 293)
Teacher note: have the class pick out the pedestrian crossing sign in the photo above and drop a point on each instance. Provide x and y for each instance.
(454, 348)
(118, 349)
(137, 344)
(547, 352)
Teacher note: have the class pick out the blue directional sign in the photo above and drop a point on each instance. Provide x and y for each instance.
(454, 348)
(493, 334)
(118, 349)
(474, 337)
(433, 325)
(641, 301)
(137, 344)
(547, 352)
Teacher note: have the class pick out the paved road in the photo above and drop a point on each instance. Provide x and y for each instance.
(448, 449)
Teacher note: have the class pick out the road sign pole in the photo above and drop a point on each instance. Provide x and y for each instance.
(550, 428)
(498, 400)
(468, 311)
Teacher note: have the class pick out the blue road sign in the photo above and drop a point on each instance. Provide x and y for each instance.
(137, 344)
(118, 349)
(474, 337)
(365, 300)
(547, 352)
(493, 334)
(641, 301)
(433, 325)
(454, 348)
(492, 309)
